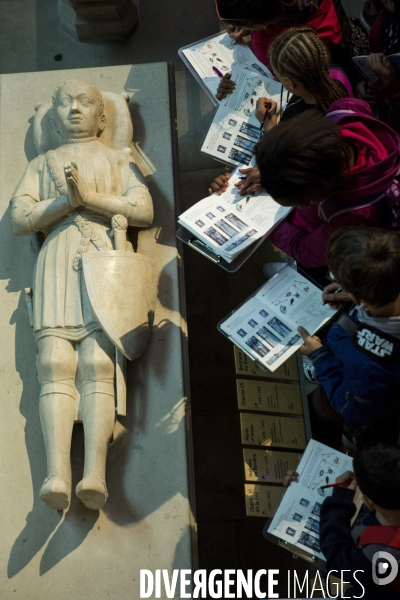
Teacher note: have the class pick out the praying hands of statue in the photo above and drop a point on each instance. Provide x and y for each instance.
(78, 190)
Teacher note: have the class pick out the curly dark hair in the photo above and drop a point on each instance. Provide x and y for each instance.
(302, 156)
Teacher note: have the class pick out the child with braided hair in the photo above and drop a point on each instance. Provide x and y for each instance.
(266, 19)
(300, 61)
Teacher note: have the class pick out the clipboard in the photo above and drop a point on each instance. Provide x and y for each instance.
(188, 238)
(294, 550)
(191, 240)
(263, 68)
(244, 350)
(295, 522)
(197, 77)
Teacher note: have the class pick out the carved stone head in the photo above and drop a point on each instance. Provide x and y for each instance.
(78, 110)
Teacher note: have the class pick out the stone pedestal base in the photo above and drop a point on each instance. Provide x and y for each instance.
(99, 21)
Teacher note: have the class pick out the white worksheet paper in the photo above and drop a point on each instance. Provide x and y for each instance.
(297, 518)
(265, 326)
(229, 223)
(235, 130)
(222, 52)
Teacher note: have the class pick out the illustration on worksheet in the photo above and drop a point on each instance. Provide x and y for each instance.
(294, 295)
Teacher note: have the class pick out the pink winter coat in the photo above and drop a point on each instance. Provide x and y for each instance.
(305, 233)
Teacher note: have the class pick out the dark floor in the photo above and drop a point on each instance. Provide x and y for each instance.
(227, 538)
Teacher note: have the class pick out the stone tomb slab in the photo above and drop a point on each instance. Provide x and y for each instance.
(146, 523)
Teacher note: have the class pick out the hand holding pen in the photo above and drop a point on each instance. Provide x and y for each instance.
(249, 181)
(266, 113)
(237, 33)
(347, 479)
(333, 295)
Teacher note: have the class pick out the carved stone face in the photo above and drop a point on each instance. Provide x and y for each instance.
(77, 110)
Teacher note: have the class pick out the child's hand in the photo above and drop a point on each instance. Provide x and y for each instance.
(363, 91)
(266, 111)
(382, 67)
(337, 300)
(290, 477)
(251, 183)
(239, 34)
(311, 342)
(344, 477)
(219, 184)
(226, 86)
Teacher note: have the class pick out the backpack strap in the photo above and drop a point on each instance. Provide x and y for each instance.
(339, 75)
(336, 115)
(373, 342)
(335, 205)
(382, 535)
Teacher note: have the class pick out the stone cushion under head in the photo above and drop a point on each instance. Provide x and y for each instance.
(118, 132)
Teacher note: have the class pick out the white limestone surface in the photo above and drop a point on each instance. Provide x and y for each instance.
(45, 554)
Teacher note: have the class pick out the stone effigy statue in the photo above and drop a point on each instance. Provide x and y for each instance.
(93, 297)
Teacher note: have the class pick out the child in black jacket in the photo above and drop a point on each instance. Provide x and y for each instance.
(376, 529)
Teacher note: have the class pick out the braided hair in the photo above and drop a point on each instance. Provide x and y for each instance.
(299, 53)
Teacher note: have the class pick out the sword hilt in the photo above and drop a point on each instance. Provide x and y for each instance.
(119, 226)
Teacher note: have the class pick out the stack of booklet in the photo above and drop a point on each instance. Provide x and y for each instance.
(229, 223)
(218, 53)
(235, 130)
(265, 325)
(295, 524)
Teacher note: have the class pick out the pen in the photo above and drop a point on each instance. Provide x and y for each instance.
(267, 106)
(345, 482)
(217, 72)
(335, 292)
(245, 177)
(233, 39)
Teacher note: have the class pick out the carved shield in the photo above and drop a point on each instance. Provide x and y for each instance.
(122, 291)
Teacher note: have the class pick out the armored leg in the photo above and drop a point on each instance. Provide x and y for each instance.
(97, 411)
(56, 368)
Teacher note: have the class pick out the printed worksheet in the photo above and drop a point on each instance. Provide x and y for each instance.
(218, 54)
(297, 518)
(235, 130)
(229, 223)
(265, 326)
(362, 65)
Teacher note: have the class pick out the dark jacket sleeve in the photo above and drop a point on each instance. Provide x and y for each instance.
(337, 545)
(357, 387)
